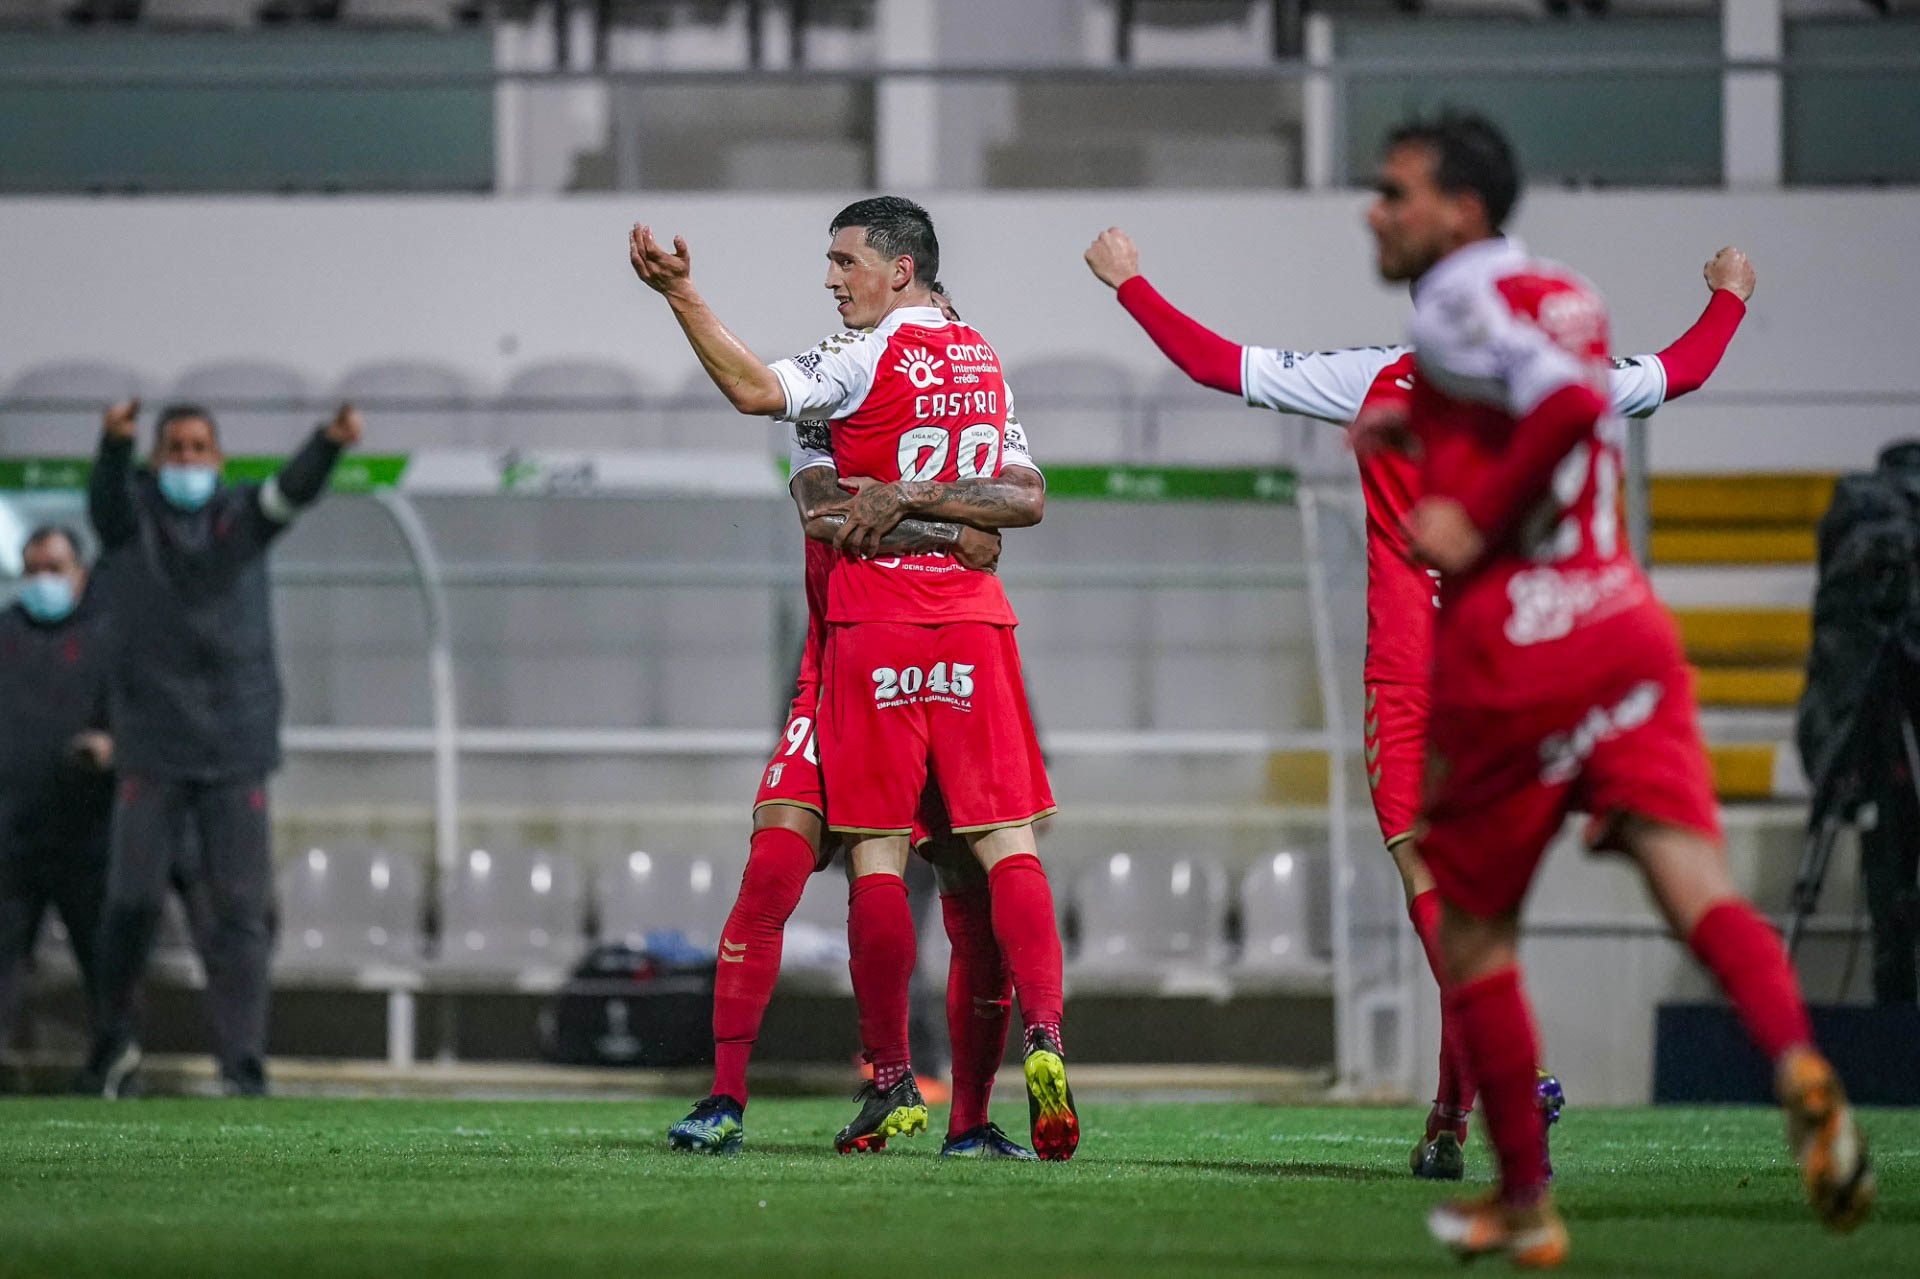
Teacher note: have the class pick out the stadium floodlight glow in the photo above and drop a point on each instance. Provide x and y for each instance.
(543, 879)
(1182, 878)
(381, 874)
(639, 863)
(480, 863)
(1119, 866)
(1283, 865)
(702, 875)
(317, 860)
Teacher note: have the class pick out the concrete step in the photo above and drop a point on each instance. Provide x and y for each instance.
(1777, 686)
(1745, 636)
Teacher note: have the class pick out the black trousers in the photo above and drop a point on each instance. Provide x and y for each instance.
(1890, 867)
(153, 820)
(56, 860)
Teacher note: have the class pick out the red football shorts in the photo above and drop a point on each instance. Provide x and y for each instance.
(1500, 782)
(792, 776)
(1395, 727)
(903, 703)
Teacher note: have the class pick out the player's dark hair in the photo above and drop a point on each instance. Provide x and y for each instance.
(1469, 154)
(941, 289)
(179, 413)
(48, 531)
(896, 227)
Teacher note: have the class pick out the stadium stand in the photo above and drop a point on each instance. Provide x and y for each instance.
(578, 403)
(1151, 921)
(262, 406)
(347, 909)
(88, 385)
(639, 894)
(511, 914)
(1277, 935)
(421, 404)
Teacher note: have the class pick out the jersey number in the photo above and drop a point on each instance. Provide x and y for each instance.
(889, 683)
(1600, 460)
(925, 449)
(799, 737)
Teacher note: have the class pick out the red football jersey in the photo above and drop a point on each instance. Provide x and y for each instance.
(918, 397)
(1334, 386)
(1495, 334)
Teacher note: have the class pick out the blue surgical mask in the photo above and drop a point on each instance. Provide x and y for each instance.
(47, 597)
(188, 487)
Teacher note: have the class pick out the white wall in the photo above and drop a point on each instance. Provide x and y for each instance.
(487, 285)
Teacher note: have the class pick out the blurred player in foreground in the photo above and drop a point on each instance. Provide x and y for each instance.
(1336, 386)
(1558, 683)
(921, 677)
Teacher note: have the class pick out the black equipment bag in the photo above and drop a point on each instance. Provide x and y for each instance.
(629, 1006)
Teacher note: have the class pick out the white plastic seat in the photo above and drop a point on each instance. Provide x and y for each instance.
(1077, 409)
(344, 909)
(260, 406)
(511, 912)
(1150, 917)
(91, 385)
(412, 404)
(641, 892)
(576, 404)
(1277, 913)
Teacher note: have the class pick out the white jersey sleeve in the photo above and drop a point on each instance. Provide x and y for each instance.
(832, 379)
(809, 444)
(1637, 385)
(1328, 385)
(1477, 346)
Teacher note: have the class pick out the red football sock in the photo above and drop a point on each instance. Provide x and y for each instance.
(1453, 1099)
(880, 942)
(1029, 937)
(1496, 1029)
(979, 1002)
(1745, 954)
(778, 863)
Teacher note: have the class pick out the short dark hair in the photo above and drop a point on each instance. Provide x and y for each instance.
(1469, 154)
(896, 227)
(179, 413)
(46, 532)
(945, 293)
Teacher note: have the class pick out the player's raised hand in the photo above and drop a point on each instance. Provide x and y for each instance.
(1381, 427)
(346, 427)
(658, 267)
(122, 420)
(1113, 258)
(978, 548)
(1729, 269)
(1443, 536)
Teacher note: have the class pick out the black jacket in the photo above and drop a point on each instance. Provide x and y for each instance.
(196, 682)
(53, 686)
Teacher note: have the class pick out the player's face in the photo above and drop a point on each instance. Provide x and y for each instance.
(1414, 222)
(189, 441)
(862, 282)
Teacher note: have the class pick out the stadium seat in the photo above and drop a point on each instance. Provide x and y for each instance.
(345, 909)
(262, 407)
(396, 13)
(511, 914)
(640, 893)
(1150, 919)
(576, 404)
(1277, 917)
(412, 404)
(698, 418)
(1077, 409)
(815, 949)
(1194, 425)
(91, 384)
(198, 13)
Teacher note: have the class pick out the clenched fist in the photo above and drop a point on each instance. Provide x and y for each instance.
(122, 420)
(1729, 269)
(1113, 258)
(346, 427)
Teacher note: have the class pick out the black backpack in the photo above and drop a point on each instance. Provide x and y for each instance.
(627, 1005)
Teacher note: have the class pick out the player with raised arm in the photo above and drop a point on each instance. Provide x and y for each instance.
(1334, 386)
(921, 677)
(1558, 683)
(790, 842)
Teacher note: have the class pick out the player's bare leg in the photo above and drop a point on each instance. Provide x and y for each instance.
(979, 1003)
(1687, 873)
(782, 854)
(1498, 1037)
(1029, 937)
(880, 942)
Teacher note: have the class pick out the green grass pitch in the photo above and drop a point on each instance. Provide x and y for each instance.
(289, 1188)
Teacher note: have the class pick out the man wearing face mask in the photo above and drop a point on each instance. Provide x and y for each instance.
(196, 712)
(56, 787)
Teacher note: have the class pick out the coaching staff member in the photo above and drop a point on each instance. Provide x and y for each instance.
(196, 714)
(56, 787)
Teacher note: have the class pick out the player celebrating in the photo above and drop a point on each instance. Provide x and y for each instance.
(921, 674)
(1335, 386)
(789, 843)
(1558, 681)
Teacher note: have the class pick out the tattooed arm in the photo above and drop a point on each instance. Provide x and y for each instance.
(1015, 498)
(822, 504)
